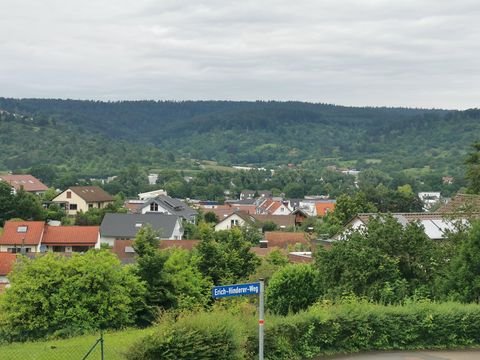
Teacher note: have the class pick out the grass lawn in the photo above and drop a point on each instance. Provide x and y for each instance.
(115, 345)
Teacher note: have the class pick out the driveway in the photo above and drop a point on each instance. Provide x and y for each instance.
(413, 355)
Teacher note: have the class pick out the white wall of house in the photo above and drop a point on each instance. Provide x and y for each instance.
(177, 231)
(110, 241)
(230, 222)
(73, 199)
(155, 208)
(282, 210)
(27, 248)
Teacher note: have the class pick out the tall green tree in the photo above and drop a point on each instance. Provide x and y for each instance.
(293, 288)
(225, 256)
(473, 169)
(7, 206)
(463, 278)
(385, 261)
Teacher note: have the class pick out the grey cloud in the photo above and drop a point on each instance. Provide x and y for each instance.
(359, 52)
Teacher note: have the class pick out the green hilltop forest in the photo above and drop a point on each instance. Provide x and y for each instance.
(96, 138)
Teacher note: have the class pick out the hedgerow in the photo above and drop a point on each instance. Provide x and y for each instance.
(322, 329)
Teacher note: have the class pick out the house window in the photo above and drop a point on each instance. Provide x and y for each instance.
(73, 206)
(22, 229)
(80, 248)
(90, 206)
(69, 194)
(18, 250)
(153, 207)
(233, 222)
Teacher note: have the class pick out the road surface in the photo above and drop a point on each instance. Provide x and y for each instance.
(412, 355)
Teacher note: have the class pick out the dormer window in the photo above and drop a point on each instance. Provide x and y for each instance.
(22, 229)
(154, 207)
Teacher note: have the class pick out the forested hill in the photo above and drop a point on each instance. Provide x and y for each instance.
(90, 133)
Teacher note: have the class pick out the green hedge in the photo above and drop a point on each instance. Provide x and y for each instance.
(323, 329)
(204, 336)
(357, 327)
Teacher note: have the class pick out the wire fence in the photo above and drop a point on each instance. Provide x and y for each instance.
(86, 348)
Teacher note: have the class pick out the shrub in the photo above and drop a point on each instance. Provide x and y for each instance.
(364, 326)
(60, 296)
(292, 288)
(202, 336)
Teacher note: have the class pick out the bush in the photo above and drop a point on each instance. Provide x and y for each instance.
(58, 296)
(201, 336)
(292, 288)
(364, 326)
(323, 329)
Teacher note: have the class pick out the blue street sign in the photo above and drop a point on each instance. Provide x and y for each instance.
(236, 290)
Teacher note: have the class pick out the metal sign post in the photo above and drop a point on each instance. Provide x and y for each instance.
(219, 292)
(261, 319)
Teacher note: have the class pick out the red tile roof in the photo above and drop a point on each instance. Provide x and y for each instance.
(6, 263)
(120, 246)
(28, 182)
(323, 208)
(282, 239)
(280, 220)
(184, 244)
(70, 235)
(12, 236)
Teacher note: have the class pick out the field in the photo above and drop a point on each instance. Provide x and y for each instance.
(115, 346)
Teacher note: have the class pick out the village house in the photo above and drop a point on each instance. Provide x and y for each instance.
(248, 206)
(236, 219)
(435, 225)
(126, 226)
(28, 183)
(37, 237)
(119, 230)
(240, 218)
(162, 204)
(273, 207)
(83, 198)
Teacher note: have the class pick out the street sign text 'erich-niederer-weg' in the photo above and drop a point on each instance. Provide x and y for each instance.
(236, 290)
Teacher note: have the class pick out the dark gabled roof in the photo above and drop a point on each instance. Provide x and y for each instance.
(124, 225)
(91, 193)
(175, 206)
(241, 202)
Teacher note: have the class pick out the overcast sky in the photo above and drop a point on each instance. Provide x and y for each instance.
(415, 53)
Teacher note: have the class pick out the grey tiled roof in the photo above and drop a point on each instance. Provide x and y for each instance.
(174, 206)
(124, 225)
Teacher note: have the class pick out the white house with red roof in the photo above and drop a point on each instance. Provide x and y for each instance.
(22, 236)
(28, 183)
(273, 207)
(36, 236)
